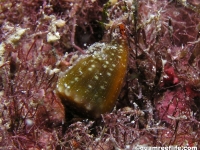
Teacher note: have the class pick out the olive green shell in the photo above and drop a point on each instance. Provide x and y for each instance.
(92, 85)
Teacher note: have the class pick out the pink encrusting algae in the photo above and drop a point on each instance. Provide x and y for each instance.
(130, 71)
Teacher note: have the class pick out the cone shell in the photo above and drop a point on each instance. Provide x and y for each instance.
(92, 85)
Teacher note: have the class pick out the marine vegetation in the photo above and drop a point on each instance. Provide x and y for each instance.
(99, 74)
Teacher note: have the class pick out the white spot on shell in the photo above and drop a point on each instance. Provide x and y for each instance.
(90, 69)
(104, 66)
(67, 92)
(107, 62)
(65, 85)
(108, 73)
(111, 69)
(102, 87)
(113, 65)
(60, 89)
(80, 71)
(96, 77)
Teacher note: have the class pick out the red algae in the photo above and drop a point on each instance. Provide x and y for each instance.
(157, 104)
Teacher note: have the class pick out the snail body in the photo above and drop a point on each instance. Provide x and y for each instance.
(92, 85)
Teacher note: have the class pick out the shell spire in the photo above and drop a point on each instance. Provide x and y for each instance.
(122, 30)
